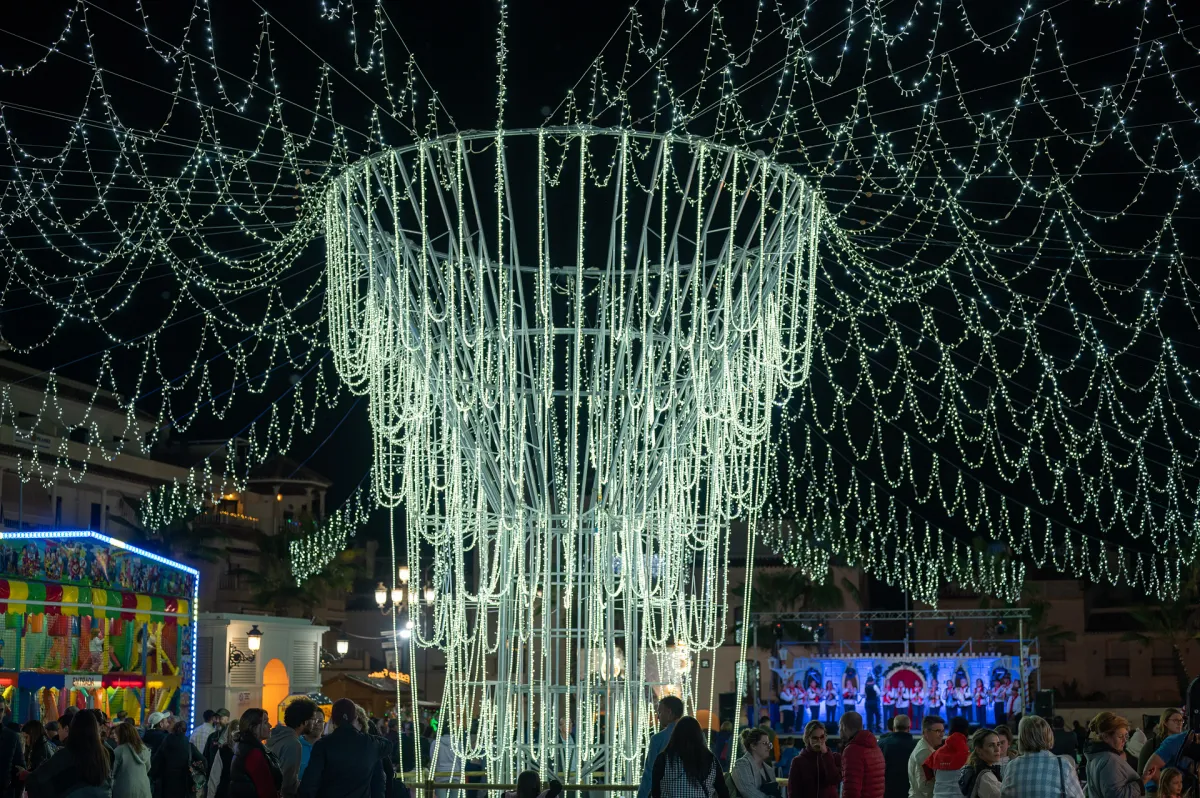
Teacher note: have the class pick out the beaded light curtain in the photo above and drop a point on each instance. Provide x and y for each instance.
(572, 340)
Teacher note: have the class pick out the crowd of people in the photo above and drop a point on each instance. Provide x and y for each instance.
(85, 754)
(949, 758)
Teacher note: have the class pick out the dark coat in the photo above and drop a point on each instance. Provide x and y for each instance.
(61, 776)
(170, 767)
(814, 775)
(40, 754)
(343, 764)
(896, 748)
(253, 764)
(153, 738)
(11, 757)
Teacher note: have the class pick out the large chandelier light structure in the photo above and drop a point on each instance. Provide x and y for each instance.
(571, 340)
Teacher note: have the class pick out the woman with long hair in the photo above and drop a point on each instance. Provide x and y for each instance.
(686, 768)
(218, 774)
(1007, 751)
(81, 768)
(980, 777)
(817, 771)
(1170, 721)
(253, 770)
(1108, 773)
(37, 747)
(754, 773)
(131, 764)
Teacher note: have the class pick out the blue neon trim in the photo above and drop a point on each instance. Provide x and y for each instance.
(88, 533)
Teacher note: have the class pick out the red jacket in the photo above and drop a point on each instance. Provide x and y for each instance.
(862, 767)
(815, 775)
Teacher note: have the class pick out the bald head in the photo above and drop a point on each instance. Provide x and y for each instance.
(851, 724)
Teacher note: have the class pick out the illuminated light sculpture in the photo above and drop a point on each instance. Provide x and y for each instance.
(572, 340)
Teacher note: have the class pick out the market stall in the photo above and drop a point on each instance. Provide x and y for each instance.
(91, 622)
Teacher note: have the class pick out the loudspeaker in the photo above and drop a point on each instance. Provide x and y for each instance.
(1193, 704)
(1043, 704)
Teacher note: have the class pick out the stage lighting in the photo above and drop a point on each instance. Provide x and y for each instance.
(778, 631)
(820, 632)
(950, 631)
(1001, 627)
(866, 630)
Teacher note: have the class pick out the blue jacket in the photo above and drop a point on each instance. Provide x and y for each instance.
(658, 744)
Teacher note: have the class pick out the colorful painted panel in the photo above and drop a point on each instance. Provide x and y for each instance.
(92, 563)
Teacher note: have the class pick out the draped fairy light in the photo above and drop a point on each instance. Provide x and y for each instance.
(571, 340)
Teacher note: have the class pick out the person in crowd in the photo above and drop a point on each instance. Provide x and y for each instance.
(1109, 774)
(158, 726)
(943, 766)
(722, 745)
(52, 728)
(382, 748)
(935, 700)
(529, 785)
(12, 760)
(311, 732)
(1081, 736)
(1037, 773)
(219, 777)
(980, 695)
(284, 742)
(849, 692)
(670, 710)
(171, 765)
(209, 749)
(933, 730)
(798, 698)
(980, 777)
(764, 723)
(786, 715)
(82, 768)
(889, 705)
(131, 765)
(832, 699)
(200, 733)
(817, 771)
(38, 748)
(813, 699)
(999, 695)
(686, 768)
(753, 773)
(253, 771)
(1065, 743)
(1007, 751)
(897, 747)
(1170, 721)
(343, 763)
(863, 767)
(918, 705)
(871, 704)
(1170, 783)
(1174, 751)
(787, 753)
(1015, 703)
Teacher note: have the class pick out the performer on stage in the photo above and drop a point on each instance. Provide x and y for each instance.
(999, 699)
(871, 704)
(831, 703)
(903, 699)
(1015, 704)
(786, 698)
(849, 693)
(980, 694)
(935, 698)
(918, 705)
(962, 694)
(813, 698)
(949, 700)
(889, 704)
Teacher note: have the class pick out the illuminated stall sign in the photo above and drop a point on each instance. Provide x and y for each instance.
(92, 561)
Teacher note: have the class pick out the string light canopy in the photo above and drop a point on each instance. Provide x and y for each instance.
(571, 340)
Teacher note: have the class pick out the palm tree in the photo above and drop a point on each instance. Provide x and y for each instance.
(1037, 627)
(181, 539)
(274, 587)
(1175, 622)
(776, 593)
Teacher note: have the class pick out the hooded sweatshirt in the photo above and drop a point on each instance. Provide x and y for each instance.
(284, 743)
(131, 772)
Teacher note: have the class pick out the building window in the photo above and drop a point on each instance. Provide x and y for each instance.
(1054, 652)
(1116, 666)
(1162, 666)
(204, 660)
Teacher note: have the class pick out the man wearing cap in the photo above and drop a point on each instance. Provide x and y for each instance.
(212, 743)
(200, 733)
(157, 726)
(343, 764)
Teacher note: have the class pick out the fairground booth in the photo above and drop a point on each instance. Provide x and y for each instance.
(91, 622)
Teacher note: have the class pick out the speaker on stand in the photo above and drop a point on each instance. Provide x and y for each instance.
(1043, 704)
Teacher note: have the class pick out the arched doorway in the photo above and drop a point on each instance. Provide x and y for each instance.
(275, 689)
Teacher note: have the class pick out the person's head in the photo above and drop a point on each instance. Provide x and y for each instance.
(221, 717)
(891, 724)
(361, 721)
(985, 748)
(814, 735)
(91, 757)
(979, 683)
(850, 724)
(179, 727)
(829, 684)
(933, 729)
(787, 741)
(529, 784)
(316, 724)
(165, 723)
(1170, 721)
(344, 713)
(254, 726)
(670, 709)
(64, 726)
(959, 725)
(727, 726)
(35, 731)
(1034, 734)
(229, 733)
(1170, 783)
(299, 713)
(209, 715)
(1006, 738)
(127, 735)
(564, 727)
(1110, 729)
(757, 744)
(690, 747)
(902, 724)
(1058, 722)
